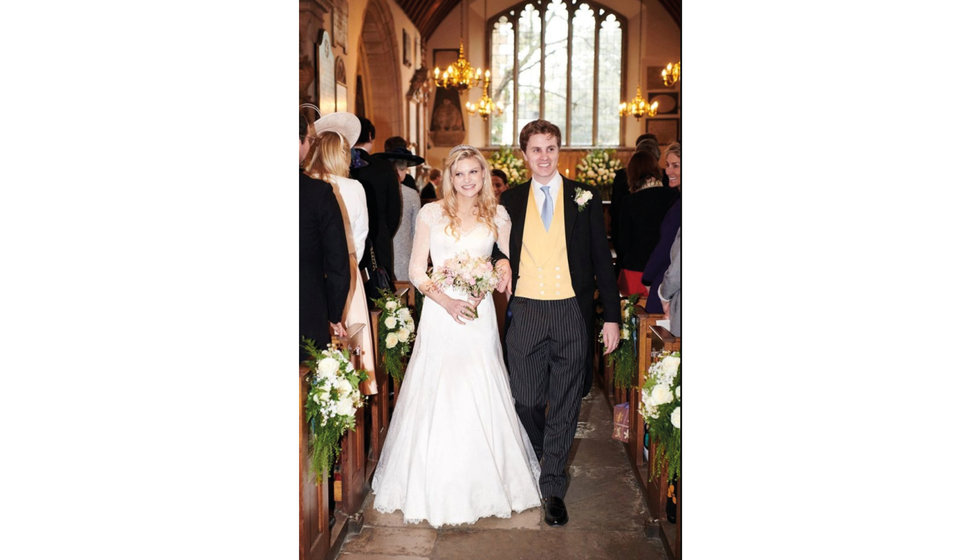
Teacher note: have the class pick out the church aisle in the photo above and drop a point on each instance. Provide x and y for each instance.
(607, 514)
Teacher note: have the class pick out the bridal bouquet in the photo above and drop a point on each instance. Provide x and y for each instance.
(396, 329)
(623, 358)
(660, 406)
(331, 403)
(474, 275)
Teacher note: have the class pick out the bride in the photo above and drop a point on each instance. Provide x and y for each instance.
(456, 450)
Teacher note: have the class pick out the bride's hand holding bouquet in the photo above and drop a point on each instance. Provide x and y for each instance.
(474, 276)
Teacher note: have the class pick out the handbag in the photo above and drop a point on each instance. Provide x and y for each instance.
(376, 278)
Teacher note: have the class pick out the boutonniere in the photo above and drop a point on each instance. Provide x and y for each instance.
(582, 197)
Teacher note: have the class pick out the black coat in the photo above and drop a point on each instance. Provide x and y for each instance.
(324, 263)
(384, 202)
(640, 216)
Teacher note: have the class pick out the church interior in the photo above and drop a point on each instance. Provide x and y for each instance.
(604, 72)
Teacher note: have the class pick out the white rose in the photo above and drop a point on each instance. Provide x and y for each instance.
(675, 418)
(671, 365)
(345, 407)
(391, 305)
(327, 367)
(624, 333)
(391, 322)
(403, 335)
(662, 394)
(404, 315)
(344, 387)
(391, 340)
(678, 391)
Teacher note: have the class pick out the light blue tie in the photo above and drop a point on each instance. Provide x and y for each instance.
(547, 209)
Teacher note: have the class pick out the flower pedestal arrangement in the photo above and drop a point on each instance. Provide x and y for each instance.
(597, 169)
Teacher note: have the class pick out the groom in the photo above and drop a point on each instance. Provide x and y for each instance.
(558, 254)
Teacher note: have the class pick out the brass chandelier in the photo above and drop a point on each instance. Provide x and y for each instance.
(485, 106)
(638, 106)
(672, 73)
(460, 75)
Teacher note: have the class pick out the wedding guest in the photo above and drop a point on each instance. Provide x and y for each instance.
(621, 189)
(640, 216)
(324, 274)
(430, 191)
(669, 291)
(401, 158)
(559, 255)
(331, 163)
(383, 201)
(499, 180)
(456, 450)
(653, 272)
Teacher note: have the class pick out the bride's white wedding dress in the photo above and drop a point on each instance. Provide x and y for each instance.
(456, 450)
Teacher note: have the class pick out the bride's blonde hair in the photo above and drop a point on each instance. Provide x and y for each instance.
(486, 201)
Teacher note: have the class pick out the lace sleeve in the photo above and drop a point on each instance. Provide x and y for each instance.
(502, 220)
(419, 261)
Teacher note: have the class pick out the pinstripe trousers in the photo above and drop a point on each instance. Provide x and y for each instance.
(546, 353)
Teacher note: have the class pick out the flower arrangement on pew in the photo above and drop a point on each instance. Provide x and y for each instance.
(476, 276)
(598, 168)
(660, 406)
(505, 160)
(396, 331)
(623, 358)
(331, 403)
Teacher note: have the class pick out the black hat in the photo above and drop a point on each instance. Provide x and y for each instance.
(402, 154)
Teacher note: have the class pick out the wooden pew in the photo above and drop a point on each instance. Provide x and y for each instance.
(314, 506)
(318, 538)
(381, 406)
(354, 475)
(652, 340)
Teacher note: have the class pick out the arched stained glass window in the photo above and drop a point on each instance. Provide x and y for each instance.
(559, 60)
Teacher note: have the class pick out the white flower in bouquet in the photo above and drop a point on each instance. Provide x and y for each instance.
(670, 365)
(675, 418)
(391, 322)
(648, 408)
(404, 315)
(345, 407)
(344, 388)
(327, 368)
(391, 305)
(678, 391)
(662, 394)
(391, 340)
(402, 335)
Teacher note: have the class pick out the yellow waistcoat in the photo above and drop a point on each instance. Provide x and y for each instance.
(544, 256)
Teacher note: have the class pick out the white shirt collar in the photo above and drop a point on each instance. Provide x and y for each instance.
(555, 183)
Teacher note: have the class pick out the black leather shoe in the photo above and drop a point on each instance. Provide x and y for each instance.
(555, 513)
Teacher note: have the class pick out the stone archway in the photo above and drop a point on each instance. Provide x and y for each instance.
(378, 63)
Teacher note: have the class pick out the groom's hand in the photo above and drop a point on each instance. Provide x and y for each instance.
(610, 336)
(503, 270)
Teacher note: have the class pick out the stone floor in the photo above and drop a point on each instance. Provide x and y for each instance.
(607, 514)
